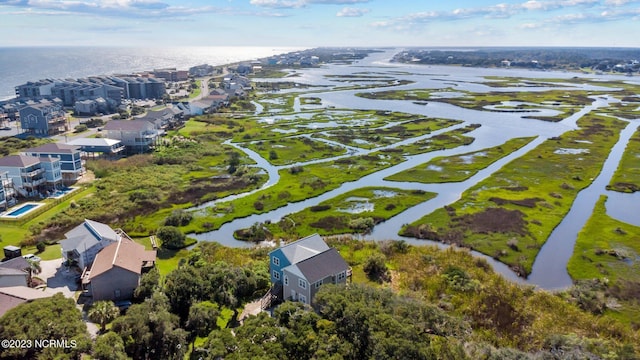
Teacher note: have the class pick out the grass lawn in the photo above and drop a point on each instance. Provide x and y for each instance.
(510, 214)
(13, 232)
(458, 167)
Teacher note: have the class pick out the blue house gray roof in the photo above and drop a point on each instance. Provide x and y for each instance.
(304, 248)
(320, 266)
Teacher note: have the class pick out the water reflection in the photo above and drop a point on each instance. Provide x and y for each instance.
(549, 269)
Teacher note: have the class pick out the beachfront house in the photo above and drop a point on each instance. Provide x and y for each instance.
(71, 163)
(93, 147)
(299, 269)
(26, 174)
(116, 270)
(83, 242)
(45, 118)
(163, 119)
(136, 136)
(29, 176)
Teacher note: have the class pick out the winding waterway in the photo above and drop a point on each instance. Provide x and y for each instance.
(549, 269)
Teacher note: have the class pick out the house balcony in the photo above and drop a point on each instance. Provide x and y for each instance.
(33, 173)
(33, 183)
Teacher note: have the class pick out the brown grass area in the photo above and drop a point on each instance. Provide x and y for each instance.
(530, 202)
(493, 220)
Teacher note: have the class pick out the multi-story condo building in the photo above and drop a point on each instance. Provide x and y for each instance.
(72, 91)
(70, 157)
(143, 88)
(44, 118)
(113, 89)
(35, 89)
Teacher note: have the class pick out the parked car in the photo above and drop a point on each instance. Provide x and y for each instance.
(31, 257)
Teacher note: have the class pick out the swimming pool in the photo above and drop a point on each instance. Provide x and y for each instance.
(22, 210)
(62, 192)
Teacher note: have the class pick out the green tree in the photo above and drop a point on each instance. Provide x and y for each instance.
(52, 318)
(171, 237)
(34, 269)
(150, 331)
(103, 312)
(202, 319)
(148, 285)
(109, 347)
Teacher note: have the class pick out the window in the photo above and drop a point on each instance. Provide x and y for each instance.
(302, 283)
(116, 293)
(302, 298)
(341, 276)
(318, 283)
(286, 280)
(276, 274)
(276, 261)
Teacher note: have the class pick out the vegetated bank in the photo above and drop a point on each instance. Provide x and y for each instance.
(510, 214)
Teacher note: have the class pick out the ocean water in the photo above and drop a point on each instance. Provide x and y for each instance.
(21, 64)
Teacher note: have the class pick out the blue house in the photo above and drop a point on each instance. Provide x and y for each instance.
(71, 163)
(299, 269)
(45, 118)
(293, 253)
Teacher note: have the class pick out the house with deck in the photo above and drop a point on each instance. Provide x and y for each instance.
(137, 136)
(300, 268)
(85, 241)
(72, 166)
(45, 118)
(95, 147)
(116, 270)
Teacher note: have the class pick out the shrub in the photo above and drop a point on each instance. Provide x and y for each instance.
(296, 170)
(178, 218)
(41, 246)
(375, 268)
(80, 128)
(258, 205)
(362, 224)
(318, 208)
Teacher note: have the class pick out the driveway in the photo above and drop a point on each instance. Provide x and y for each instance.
(58, 277)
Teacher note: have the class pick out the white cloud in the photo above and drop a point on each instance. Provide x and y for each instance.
(619, 2)
(279, 4)
(352, 12)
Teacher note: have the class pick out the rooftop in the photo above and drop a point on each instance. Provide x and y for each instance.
(19, 161)
(56, 148)
(124, 254)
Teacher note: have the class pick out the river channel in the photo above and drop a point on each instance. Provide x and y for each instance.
(549, 269)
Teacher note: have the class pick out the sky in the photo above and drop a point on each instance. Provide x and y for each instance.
(314, 23)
